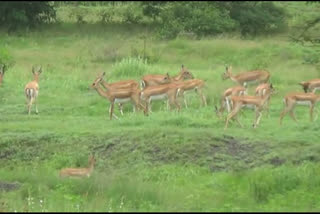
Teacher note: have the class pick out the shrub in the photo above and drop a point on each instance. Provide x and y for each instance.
(15, 15)
(5, 57)
(132, 67)
(201, 18)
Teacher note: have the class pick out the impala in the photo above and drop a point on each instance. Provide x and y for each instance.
(125, 84)
(159, 79)
(191, 85)
(299, 98)
(260, 76)
(79, 172)
(2, 70)
(160, 92)
(311, 85)
(118, 95)
(256, 102)
(261, 90)
(32, 89)
(225, 99)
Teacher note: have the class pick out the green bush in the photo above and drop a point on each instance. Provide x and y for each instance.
(5, 57)
(201, 18)
(15, 15)
(255, 18)
(132, 67)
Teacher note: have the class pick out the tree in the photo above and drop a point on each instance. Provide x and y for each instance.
(18, 14)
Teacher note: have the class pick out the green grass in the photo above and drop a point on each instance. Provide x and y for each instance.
(168, 161)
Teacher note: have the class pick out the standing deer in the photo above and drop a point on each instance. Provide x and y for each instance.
(32, 89)
(226, 98)
(118, 96)
(245, 78)
(311, 85)
(191, 85)
(240, 102)
(262, 90)
(299, 98)
(79, 172)
(159, 79)
(124, 84)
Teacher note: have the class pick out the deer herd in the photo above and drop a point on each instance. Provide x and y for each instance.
(170, 88)
(164, 87)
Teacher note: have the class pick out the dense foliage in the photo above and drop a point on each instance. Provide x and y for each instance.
(15, 15)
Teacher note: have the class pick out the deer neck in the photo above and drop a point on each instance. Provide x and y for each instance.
(105, 84)
(232, 77)
(178, 77)
(36, 78)
(102, 92)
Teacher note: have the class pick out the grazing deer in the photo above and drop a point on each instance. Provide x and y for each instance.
(79, 172)
(118, 96)
(125, 84)
(191, 85)
(32, 89)
(299, 98)
(226, 101)
(255, 76)
(261, 90)
(160, 92)
(159, 79)
(2, 70)
(256, 102)
(311, 85)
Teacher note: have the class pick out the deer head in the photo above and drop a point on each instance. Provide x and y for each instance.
(186, 74)
(227, 73)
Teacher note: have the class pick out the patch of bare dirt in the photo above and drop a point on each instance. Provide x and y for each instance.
(5, 186)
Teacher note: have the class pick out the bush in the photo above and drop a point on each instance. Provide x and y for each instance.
(6, 58)
(130, 67)
(15, 15)
(201, 18)
(255, 18)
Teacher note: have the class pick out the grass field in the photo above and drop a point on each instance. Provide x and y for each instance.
(168, 161)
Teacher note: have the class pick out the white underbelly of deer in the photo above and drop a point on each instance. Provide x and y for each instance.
(250, 106)
(304, 103)
(123, 100)
(158, 97)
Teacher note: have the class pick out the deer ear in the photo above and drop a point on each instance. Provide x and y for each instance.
(182, 66)
(40, 70)
(104, 73)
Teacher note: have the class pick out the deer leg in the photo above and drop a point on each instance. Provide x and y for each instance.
(316, 114)
(203, 98)
(184, 98)
(149, 100)
(231, 115)
(120, 108)
(177, 104)
(283, 113)
(228, 104)
(311, 112)
(258, 117)
(30, 105)
(35, 103)
(293, 116)
(237, 119)
(111, 110)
